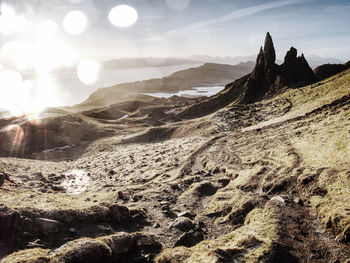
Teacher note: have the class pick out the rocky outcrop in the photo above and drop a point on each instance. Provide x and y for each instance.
(266, 80)
(328, 70)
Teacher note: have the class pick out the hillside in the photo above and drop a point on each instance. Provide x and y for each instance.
(257, 173)
(206, 75)
(145, 62)
(265, 182)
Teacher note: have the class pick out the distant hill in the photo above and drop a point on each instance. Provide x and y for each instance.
(209, 74)
(313, 60)
(223, 60)
(146, 62)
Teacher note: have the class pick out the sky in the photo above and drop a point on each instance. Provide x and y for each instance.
(181, 28)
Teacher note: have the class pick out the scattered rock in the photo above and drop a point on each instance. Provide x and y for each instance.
(72, 230)
(39, 177)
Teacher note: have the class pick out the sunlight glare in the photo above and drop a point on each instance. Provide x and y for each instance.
(75, 22)
(123, 16)
(88, 71)
(45, 29)
(7, 10)
(12, 24)
(51, 54)
(14, 94)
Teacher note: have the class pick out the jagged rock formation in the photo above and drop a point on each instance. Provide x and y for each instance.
(328, 70)
(266, 80)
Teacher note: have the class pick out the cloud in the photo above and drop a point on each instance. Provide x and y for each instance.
(243, 12)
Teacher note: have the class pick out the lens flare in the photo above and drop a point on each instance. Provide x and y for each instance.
(49, 55)
(45, 29)
(75, 22)
(6, 9)
(13, 24)
(13, 93)
(88, 71)
(123, 16)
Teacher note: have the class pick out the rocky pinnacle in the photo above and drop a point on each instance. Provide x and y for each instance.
(269, 50)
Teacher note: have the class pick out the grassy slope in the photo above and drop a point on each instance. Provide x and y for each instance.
(294, 146)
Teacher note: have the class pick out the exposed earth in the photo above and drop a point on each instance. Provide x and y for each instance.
(265, 178)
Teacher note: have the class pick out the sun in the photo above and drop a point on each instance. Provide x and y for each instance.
(123, 16)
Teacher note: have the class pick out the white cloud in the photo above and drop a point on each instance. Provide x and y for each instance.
(243, 12)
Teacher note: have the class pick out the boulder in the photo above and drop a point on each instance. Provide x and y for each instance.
(189, 239)
(182, 223)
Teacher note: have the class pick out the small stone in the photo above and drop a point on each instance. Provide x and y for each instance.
(71, 230)
(223, 221)
(278, 199)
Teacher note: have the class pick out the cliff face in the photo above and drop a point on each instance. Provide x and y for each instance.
(266, 80)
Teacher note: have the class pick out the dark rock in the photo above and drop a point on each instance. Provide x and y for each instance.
(204, 188)
(182, 223)
(269, 51)
(189, 239)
